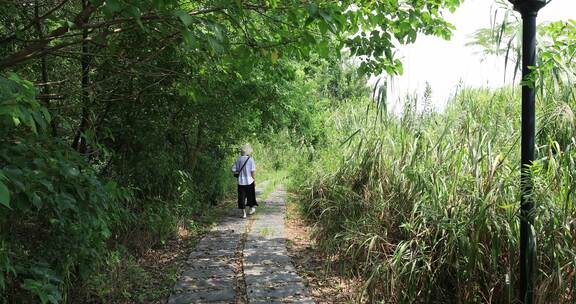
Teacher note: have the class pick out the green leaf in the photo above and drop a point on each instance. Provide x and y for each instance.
(112, 6)
(36, 200)
(218, 30)
(189, 39)
(326, 16)
(135, 13)
(4, 195)
(323, 27)
(46, 114)
(184, 17)
(312, 9)
(308, 38)
(323, 48)
(215, 45)
(159, 4)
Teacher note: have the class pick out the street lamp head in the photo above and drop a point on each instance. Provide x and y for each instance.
(528, 6)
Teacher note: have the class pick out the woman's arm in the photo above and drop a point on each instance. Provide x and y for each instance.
(253, 168)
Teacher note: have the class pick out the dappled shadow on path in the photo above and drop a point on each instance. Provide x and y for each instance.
(210, 272)
(269, 273)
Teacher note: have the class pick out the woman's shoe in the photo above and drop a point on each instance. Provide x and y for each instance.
(244, 213)
(252, 210)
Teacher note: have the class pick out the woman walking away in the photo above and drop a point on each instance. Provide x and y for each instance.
(244, 169)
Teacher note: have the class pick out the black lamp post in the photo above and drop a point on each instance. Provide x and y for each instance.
(529, 10)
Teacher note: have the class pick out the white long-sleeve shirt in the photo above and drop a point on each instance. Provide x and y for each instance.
(245, 177)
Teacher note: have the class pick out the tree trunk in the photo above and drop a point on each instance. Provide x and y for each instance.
(79, 143)
(45, 97)
(197, 147)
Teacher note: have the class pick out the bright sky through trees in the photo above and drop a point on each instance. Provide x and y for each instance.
(444, 63)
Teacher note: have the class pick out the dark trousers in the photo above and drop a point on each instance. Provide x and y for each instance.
(246, 193)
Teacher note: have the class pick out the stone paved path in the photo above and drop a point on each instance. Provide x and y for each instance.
(243, 260)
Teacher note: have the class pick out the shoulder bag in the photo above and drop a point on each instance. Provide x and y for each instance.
(237, 173)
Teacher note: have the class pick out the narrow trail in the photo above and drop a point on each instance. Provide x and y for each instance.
(243, 261)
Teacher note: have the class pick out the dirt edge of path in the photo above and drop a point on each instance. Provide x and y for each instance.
(324, 284)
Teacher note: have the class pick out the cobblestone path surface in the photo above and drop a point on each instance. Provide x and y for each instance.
(243, 260)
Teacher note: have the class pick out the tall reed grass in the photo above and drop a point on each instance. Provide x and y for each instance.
(424, 208)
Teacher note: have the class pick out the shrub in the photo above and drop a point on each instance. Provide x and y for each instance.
(55, 214)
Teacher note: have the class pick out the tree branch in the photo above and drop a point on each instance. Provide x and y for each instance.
(36, 20)
(33, 50)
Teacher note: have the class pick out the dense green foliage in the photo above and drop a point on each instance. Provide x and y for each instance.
(119, 118)
(424, 207)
